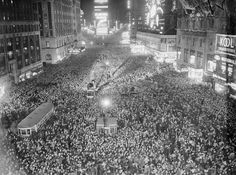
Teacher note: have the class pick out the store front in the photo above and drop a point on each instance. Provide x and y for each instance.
(31, 73)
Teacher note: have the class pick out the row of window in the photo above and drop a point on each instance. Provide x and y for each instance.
(193, 58)
(25, 49)
(189, 41)
(16, 10)
(4, 29)
(195, 23)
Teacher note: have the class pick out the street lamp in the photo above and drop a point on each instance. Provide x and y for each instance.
(107, 63)
(106, 103)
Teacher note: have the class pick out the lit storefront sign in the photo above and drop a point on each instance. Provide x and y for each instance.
(220, 88)
(196, 74)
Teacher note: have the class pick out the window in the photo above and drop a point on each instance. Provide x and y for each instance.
(1, 46)
(194, 40)
(186, 55)
(192, 57)
(10, 44)
(188, 39)
(1, 29)
(211, 23)
(200, 42)
(17, 43)
(47, 44)
(19, 61)
(199, 60)
(28, 131)
(234, 74)
(2, 64)
(211, 63)
(10, 68)
(179, 39)
(23, 132)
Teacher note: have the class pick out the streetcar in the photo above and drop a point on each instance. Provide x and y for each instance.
(91, 89)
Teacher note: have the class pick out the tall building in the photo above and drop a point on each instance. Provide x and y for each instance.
(59, 27)
(206, 44)
(20, 56)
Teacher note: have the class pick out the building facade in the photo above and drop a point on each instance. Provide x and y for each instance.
(59, 27)
(20, 50)
(206, 48)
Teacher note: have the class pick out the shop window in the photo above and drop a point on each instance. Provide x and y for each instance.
(223, 68)
(1, 46)
(10, 44)
(27, 59)
(199, 59)
(11, 68)
(2, 64)
(28, 131)
(47, 44)
(19, 62)
(201, 42)
(10, 55)
(234, 75)
(1, 29)
(186, 55)
(192, 57)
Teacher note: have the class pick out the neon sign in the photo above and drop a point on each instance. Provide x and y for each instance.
(226, 44)
(154, 11)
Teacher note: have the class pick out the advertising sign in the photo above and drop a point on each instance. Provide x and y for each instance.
(154, 11)
(225, 67)
(226, 44)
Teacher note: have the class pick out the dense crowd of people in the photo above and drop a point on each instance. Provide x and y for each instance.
(168, 126)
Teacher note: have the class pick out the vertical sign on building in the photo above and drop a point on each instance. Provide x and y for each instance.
(225, 58)
(101, 17)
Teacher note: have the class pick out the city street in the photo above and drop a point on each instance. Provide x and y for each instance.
(166, 123)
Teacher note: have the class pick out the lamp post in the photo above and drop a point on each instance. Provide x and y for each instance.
(106, 103)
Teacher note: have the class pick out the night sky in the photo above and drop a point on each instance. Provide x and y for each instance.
(117, 9)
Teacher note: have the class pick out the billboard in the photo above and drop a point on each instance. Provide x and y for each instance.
(225, 68)
(101, 17)
(226, 44)
(154, 11)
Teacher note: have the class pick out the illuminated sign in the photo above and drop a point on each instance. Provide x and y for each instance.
(128, 4)
(226, 44)
(101, 15)
(220, 88)
(196, 74)
(101, 1)
(101, 7)
(224, 68)
(153, 12)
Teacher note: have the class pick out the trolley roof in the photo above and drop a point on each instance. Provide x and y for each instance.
(36, 116)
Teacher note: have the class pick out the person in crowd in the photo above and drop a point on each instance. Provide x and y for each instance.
(171, 126)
